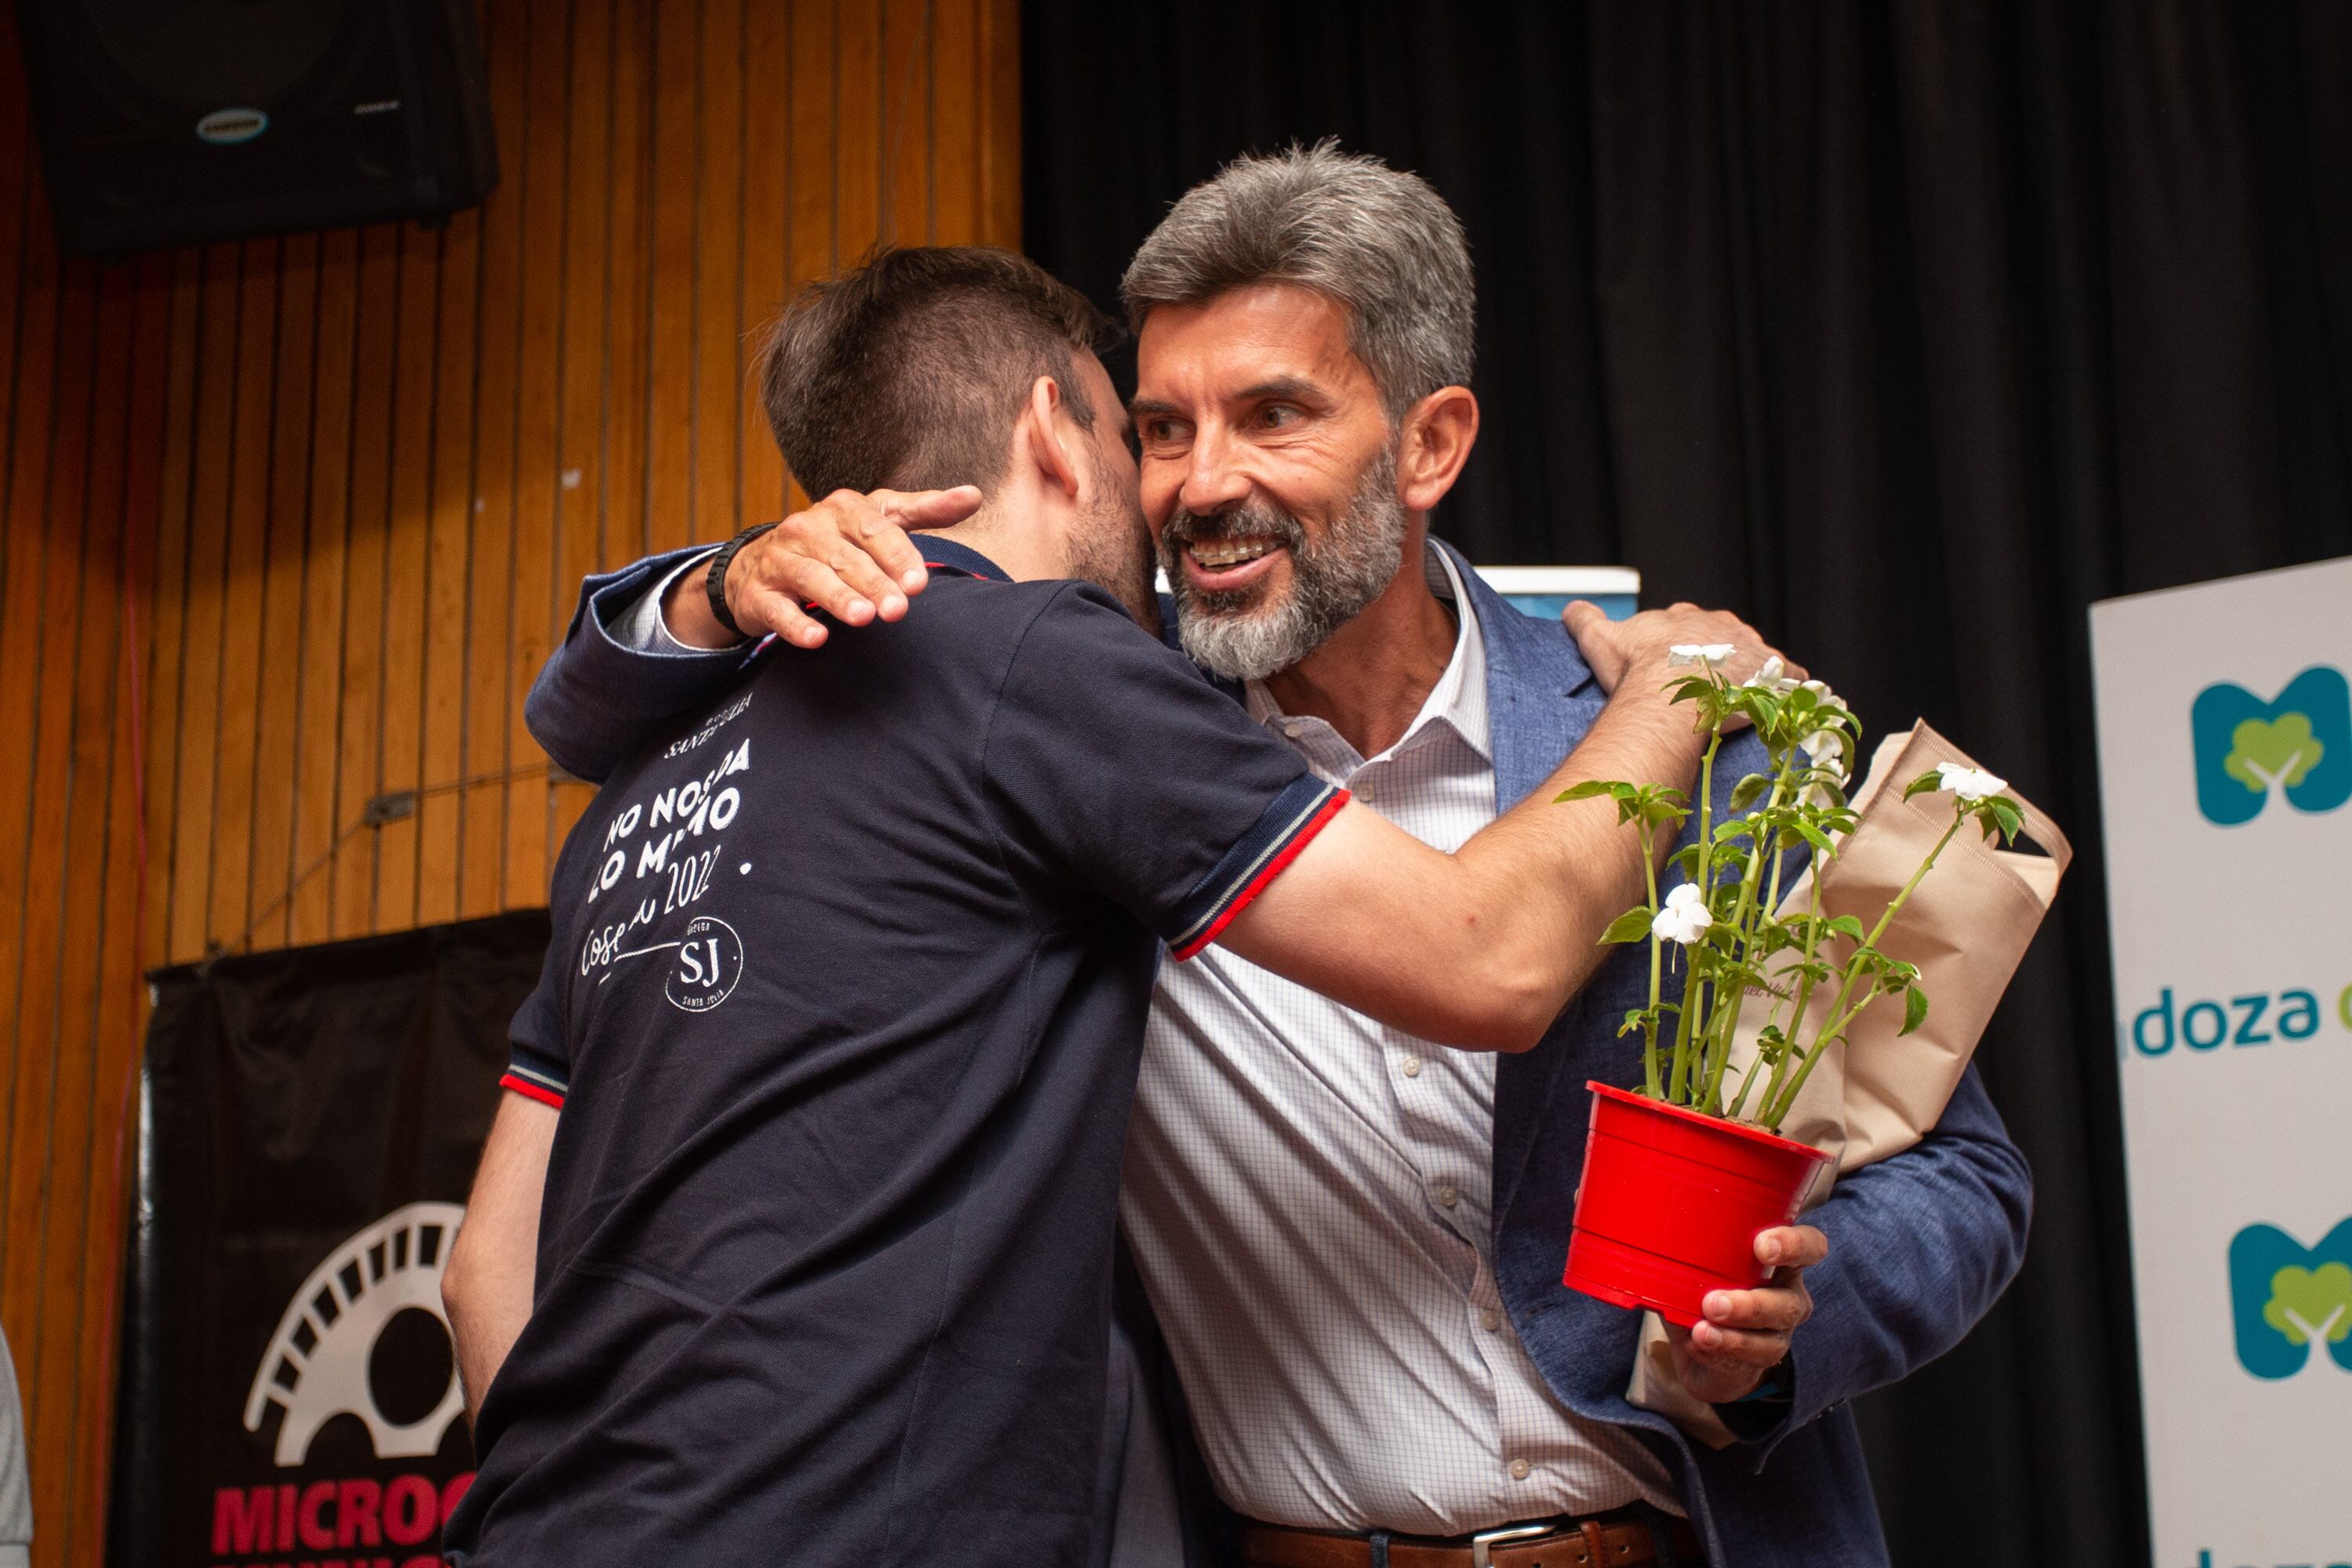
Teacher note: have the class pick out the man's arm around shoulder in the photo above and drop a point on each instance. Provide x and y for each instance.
(599, 699)
(1483, 948)
(607, 690)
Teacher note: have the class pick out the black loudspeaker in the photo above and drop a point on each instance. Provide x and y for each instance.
(175, 121)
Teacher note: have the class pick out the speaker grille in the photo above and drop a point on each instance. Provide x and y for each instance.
(167, 121)
(185, 59)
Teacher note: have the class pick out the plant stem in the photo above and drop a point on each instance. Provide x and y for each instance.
(1772, 1017)
(1925, 866)
(1727, 1022)
(1779, 1108)
(1650, 1084)
(1684, 1083)
(1804, 992)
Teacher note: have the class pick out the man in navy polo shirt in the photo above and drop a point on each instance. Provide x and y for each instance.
(817, 1112)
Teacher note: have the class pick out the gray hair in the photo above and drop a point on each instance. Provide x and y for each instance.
(1377, 240)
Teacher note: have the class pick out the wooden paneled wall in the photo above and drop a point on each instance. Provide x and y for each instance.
(290, 525)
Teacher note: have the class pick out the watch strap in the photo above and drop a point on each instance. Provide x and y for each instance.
(714, 577)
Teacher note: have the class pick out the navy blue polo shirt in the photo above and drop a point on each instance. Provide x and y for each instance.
(843, 1013)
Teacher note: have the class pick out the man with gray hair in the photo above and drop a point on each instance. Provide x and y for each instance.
(1350, 1241)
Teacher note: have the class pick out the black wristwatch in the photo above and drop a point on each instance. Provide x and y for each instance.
(714, 579)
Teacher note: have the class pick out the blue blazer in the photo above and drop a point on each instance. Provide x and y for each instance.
(1921, 1245)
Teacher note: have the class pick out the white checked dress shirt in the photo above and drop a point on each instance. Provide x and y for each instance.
(1306, 1196)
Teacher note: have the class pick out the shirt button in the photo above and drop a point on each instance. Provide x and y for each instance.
(1491, 1319)
(1520, 1469)
(1411, 1066)
(1445, 1197)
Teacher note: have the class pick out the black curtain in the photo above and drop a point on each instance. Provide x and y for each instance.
(1906, 330)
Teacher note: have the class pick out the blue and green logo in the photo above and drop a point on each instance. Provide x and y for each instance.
(2287, 1298)
(2299, 746)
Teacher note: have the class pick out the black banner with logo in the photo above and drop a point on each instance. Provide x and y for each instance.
(309, 1123)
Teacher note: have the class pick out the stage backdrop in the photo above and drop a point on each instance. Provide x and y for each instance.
(309, 1123)
(2225, 757)
(1906, 330)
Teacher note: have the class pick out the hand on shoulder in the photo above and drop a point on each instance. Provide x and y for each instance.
(1638, 647)
(848, 555)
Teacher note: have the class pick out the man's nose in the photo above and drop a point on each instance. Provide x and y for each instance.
(1213, 481)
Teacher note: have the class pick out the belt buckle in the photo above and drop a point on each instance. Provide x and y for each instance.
(1486, 1538)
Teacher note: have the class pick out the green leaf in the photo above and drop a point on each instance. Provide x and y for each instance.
(1584, 791)
(2006, 815)
(1630, 926)
(1747, 790)
(1915, 1010)
(1826, 781)
(1685, 860)
(1814, 837)
(1845, 925)
(1926, 784)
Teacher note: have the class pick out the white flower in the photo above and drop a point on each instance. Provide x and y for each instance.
(1826, 749)
(1771, 678)
(1710, 654)
(1684, 919)
(1971, 785)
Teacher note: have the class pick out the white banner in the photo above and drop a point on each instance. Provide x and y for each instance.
(2225, 763)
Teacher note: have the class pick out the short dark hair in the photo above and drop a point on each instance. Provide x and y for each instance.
(908, 370)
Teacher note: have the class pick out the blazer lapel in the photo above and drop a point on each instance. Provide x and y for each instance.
(1542, 697)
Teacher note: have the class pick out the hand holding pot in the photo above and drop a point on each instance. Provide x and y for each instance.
(1746, 1334)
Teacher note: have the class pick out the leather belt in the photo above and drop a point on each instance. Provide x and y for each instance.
(1618, 1542)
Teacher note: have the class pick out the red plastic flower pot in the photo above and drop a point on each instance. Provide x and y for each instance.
(1672, 1203)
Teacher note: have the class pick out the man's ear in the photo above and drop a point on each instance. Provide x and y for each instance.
(1047, 448)
(1438, 432)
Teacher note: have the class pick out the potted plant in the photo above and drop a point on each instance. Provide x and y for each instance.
(1683, 1173)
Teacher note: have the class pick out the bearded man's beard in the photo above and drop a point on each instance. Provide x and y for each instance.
(1114, 552)
(1236, 633)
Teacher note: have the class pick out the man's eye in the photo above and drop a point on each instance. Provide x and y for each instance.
(1278, 415)
(1161, 432)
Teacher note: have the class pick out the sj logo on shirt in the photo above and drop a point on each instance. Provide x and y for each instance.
(709, 961)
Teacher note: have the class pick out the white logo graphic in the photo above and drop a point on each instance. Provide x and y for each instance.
(316, 1367)
(710, 963)
(227, 127)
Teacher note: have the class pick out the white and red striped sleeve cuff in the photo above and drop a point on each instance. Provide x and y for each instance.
(535, 1076)
(1299, 813)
